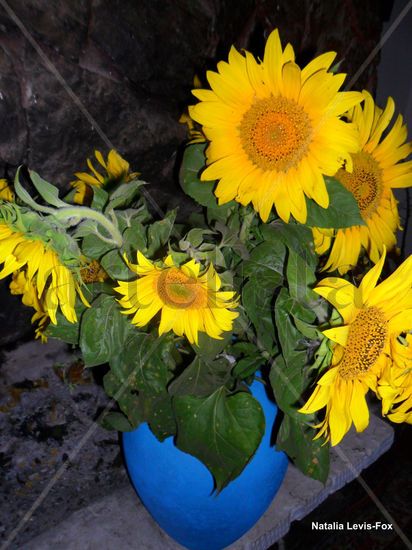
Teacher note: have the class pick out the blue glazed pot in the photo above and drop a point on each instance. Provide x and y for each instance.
(176, 488)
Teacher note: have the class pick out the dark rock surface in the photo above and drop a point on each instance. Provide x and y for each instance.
(48, 407)
(131, 64)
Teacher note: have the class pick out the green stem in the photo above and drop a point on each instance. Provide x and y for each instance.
(83, 212)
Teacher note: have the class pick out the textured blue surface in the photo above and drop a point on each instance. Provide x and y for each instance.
(176, 488)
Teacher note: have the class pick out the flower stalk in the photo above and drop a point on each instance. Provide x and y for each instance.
(78, 213)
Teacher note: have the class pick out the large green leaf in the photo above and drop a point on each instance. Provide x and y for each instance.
(146, 362)
(288, 382)
(258, 303)
(266, 262)
(100, 198)
(158, 413)
(295, 237)
(138, 378)
(301, 277)
(289, 337)
(193, 161)
(124, 194)
(209, 347)
(94, 248)
(295, 437)
(223, 431)
(129, 402)
(104, 331)
(64, 330)
(46, 190)
(201, 378)
(115, 266)
(159, 233)
(343, 210)
(115, 420)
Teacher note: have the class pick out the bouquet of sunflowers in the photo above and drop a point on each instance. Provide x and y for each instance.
(277, 278)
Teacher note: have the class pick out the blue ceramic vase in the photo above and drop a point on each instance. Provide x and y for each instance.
(176, 488)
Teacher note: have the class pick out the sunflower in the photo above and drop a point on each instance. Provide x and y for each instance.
(55, 284)
(190, 302)
(395, 386)
(274, 129)
(20, 285)
(373, 316)
(6, 193)
(376, 171)
(117, 171)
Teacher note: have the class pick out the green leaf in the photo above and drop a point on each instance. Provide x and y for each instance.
(343, 210)
(159, 414)
(124, 194)
(100, 198)
(26, 198)
(64, 330)
(146, 366)
(301, 277)
(192, 163)
(295, 237)
(159, 233)
(223, 431)
(104, 331)
(288, 335)
(46, 190)
(258, 303)
(220, 212)
(128, 401)
(247, 366)
(266, 263)
(288, 382)
(295, 437)
(94, 248)
(201, 378)
(115, 266)
(146, 362)
(208, 348)
(116, 421)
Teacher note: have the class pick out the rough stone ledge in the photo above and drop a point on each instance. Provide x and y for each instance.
(119, 520)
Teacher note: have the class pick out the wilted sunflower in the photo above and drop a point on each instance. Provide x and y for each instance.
(20, 285)
(116, 168)
(373, 317)
(190, 302)
(395, 385)
(376, 171)
(274, 129)
(55, 284)
(6, 192)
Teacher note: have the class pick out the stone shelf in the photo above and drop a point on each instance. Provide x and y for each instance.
(119, 520)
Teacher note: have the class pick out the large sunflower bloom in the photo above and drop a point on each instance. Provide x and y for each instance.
(395, 386)
(55, 284)
(190, 302)
(274, 129)
(20, 285)
(376, 171)
(6, 192)
(373, 317)
(116, 168)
